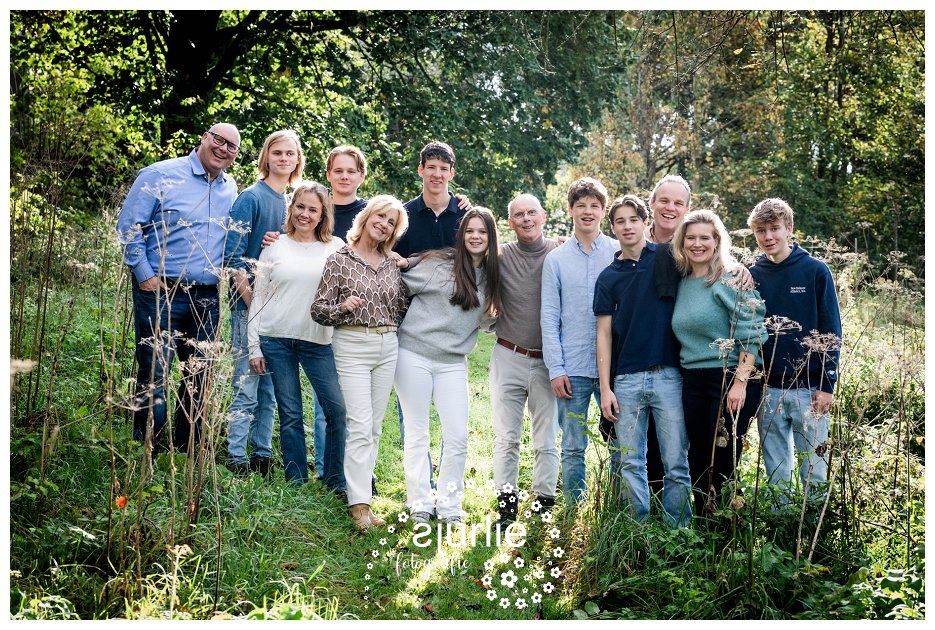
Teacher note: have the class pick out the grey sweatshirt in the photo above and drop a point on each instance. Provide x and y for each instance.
(434, 327)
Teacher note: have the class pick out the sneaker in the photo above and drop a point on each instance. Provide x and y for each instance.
(450, 519)
(420, 517)
(545, 503)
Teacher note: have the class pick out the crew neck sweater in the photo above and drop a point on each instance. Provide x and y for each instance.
(344, 214)
(434, 327)
(704, 315)
(288, 274)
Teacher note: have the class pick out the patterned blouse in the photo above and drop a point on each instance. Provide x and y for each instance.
(347, 274)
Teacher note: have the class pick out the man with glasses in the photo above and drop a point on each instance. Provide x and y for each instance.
(173, 227)
(518, 375)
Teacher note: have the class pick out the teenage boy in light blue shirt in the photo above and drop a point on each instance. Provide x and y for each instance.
(569, 329)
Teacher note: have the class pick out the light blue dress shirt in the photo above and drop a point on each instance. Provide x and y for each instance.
(569, 328)
(173, 223)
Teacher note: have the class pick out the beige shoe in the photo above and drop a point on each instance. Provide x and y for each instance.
(375, 520)
(360, 514)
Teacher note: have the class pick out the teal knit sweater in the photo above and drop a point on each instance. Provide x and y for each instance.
(704, 315)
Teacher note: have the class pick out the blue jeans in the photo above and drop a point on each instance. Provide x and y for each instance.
(573, 419)
(283, 358)
(321, 430)
(658, 390)
(165, 323)
(253, 403)
(788, 426)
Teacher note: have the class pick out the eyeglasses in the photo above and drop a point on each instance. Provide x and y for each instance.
(529, 214)
(221, 141)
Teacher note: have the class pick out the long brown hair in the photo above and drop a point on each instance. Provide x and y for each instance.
(465, 292)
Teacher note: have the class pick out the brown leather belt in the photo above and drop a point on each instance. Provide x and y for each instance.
(532, 354)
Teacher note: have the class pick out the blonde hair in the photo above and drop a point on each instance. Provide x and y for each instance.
(325, 227)
(722, 256)
(380, 203)
(262, 166)
(346, 149)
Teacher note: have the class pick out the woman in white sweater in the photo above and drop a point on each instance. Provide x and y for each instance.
(283, 336)
(455, 292)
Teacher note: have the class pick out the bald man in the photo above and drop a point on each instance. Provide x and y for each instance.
(518, 374)
(173, 226)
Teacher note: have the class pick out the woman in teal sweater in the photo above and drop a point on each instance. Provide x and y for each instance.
(720, 329)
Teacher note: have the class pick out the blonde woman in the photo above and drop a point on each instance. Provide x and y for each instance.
(362, 295)
(720, 329)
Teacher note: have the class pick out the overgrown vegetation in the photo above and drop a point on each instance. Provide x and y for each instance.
(98, 533)
(95, 534)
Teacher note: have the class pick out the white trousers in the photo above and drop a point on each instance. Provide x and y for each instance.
(420, 382)
(366, 363)
(516, 380)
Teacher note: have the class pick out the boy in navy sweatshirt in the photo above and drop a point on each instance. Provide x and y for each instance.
(801, 354)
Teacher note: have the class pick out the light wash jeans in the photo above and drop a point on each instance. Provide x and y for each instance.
(284, 356)
(659, 390)
(366, 363)
(573, 418)
(253, 403)
(321, 434)
(788, 426)
(419, 382)
(516, 380)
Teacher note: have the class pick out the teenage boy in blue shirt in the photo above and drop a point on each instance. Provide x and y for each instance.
(257, 210)
(801, 368)
(638, 364)
(569, 330)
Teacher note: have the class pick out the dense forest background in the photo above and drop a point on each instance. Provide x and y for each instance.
(822, 108)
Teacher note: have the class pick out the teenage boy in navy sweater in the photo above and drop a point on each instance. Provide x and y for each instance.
(801, 366)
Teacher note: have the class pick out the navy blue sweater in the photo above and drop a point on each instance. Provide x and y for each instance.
(800, 288)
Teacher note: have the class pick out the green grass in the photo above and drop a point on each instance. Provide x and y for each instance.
(276, 551)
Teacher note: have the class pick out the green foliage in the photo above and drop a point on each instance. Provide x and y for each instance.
(823, 109)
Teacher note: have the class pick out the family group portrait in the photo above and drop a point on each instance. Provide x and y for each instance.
(499, 315)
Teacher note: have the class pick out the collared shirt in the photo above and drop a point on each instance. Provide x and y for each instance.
(173, 223)
(348, 274)
(569, 328)
(641, 321)
(427, 231)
